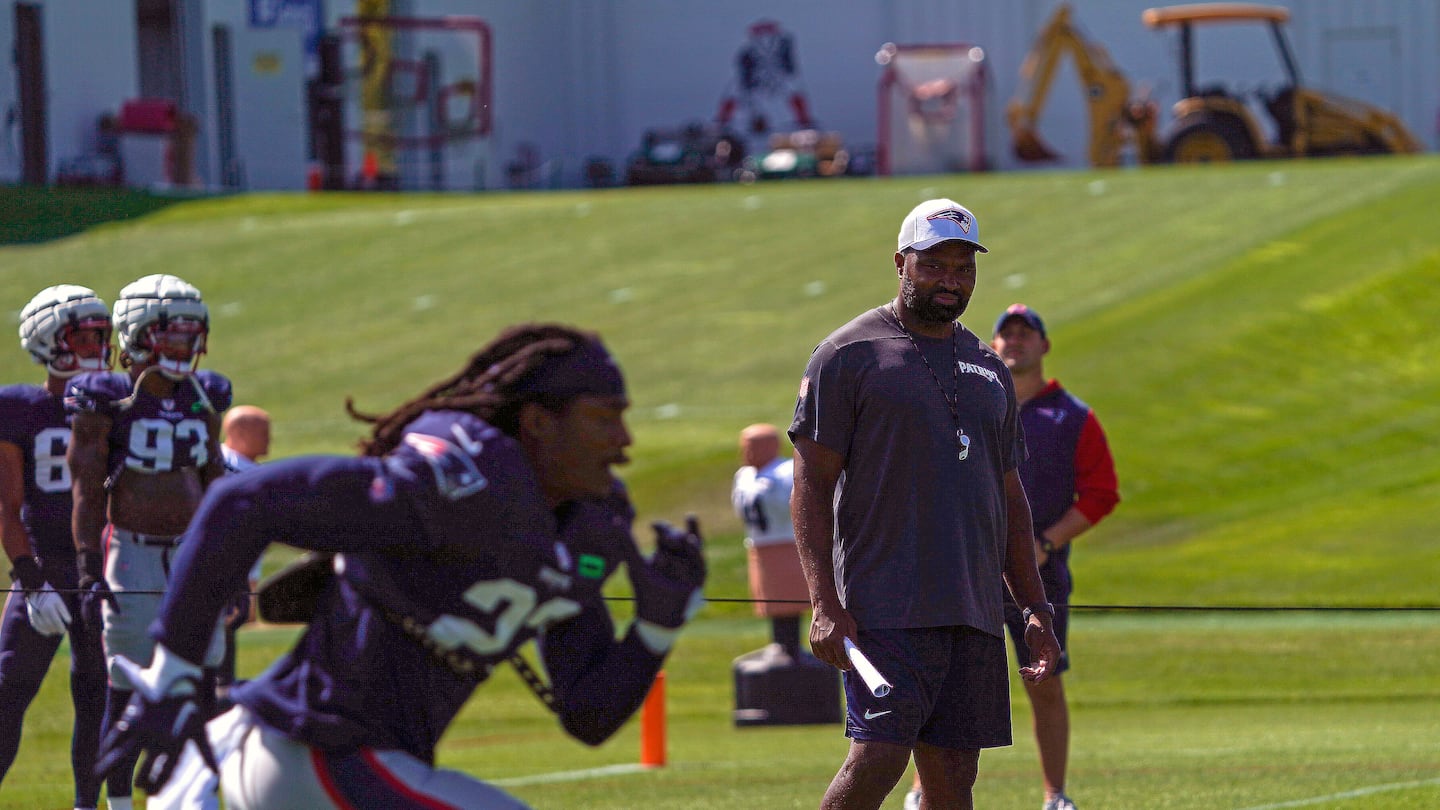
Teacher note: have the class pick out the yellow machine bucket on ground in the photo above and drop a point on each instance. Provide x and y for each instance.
(1029, 147)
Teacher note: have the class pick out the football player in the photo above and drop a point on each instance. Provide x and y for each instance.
(481, 515)
(146, 445)
(246, 429)
(65, 328)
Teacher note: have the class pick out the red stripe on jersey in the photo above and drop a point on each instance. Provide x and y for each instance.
(1096, 488)
(322, 772)
(421, 800)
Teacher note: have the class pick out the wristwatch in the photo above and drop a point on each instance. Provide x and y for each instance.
(1044, 607)
(1045, 544)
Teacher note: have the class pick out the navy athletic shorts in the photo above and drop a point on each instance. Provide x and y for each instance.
(950, 689)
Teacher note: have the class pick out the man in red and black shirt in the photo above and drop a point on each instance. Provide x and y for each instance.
(1070, 482)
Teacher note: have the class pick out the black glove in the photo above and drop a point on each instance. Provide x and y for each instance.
(237, 609)
(292, 594)
(45, 608)
(25, 572)
(93, 587)
(597, 531)
(668, 584)
(161, 717)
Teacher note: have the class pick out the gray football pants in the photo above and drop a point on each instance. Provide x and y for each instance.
(137, 566)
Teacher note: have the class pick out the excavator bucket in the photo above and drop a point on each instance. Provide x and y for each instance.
(1029, 147)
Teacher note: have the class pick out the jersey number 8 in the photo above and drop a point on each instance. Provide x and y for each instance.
(52, 474)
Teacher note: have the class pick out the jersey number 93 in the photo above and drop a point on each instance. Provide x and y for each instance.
(154, 442)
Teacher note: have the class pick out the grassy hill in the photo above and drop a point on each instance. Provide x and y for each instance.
(1256, 338)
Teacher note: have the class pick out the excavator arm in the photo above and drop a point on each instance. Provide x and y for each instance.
(1114, 119)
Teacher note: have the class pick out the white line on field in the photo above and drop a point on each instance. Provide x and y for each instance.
(1349, 794)
(569, 776)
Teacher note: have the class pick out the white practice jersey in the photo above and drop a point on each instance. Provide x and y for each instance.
(762, 499)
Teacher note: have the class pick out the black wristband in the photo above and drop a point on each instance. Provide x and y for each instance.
(1045, 545)
(1044, 607)
(92, 565)
(27, 573)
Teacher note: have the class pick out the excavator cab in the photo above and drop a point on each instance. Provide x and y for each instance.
(1211, 122)
(1214, 124)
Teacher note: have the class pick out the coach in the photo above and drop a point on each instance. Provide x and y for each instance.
(908, 510)
(1070, 482)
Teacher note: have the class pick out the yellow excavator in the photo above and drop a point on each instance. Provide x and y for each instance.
(1115, 120)
(1211, 122)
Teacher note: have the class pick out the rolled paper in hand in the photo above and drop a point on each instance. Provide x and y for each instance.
(874, 681)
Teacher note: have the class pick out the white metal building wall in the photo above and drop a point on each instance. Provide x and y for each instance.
(579, 78)
(1407, 81)
(583, 78)
(79, 37)
(10, 161)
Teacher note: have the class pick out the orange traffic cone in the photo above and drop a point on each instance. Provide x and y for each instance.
(652, 725)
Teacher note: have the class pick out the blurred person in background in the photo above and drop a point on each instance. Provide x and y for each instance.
(145, 447)
(1070, 482)
(246, 432)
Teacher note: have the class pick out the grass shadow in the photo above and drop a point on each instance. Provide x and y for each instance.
(30, 215)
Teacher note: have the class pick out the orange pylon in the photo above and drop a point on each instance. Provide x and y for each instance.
(652, 725)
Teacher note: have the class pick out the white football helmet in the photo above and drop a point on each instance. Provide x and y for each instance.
(161, 319)
(51, 328)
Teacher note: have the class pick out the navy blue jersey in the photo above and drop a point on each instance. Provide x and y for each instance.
(35, 421)
(148, 433)
(1053, 423)
(1070, 466)
(451, 531)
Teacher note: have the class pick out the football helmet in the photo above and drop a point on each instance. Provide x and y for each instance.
(160, 319)
(66, 328)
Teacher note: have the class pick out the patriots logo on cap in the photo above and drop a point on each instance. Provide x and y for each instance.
(958, 217)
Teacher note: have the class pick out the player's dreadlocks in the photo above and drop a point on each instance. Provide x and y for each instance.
(498, 379)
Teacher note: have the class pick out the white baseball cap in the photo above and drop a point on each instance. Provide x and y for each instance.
(935, 221)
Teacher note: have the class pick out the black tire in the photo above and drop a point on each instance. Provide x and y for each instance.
(1209, 138)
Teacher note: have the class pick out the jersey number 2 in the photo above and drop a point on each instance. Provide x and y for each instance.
(512, 604)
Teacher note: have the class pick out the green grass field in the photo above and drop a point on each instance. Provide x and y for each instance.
(1182, 712)
(1257, 340)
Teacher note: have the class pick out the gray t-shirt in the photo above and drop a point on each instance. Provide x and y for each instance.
(920, 533)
